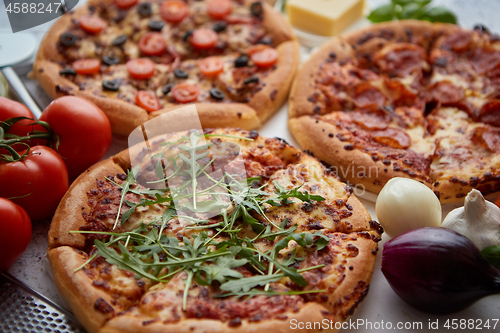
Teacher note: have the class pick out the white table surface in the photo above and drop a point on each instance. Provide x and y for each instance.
(382, 306)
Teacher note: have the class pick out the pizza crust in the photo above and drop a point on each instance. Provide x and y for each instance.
(125, 117)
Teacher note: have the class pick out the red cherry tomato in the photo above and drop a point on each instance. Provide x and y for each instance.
(265, 58)
(218, 9)
(84, 132)
(37, 182)
(87, 66)
(211, 66)
(125, 4)
(152, 44)
(147, 100)
(185, 93)
(15, 232)
(203, 38)
(141, 68)
(12, 109)
(92, 24)
(174, 11)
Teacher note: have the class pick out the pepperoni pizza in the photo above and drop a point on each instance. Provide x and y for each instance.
(137, 59)
(407, 99)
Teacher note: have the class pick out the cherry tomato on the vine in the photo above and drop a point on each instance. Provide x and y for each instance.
(13, 109)
(84, 132)
(37, 182)
(15, 232)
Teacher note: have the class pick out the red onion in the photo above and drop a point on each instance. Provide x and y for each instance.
(437, 270)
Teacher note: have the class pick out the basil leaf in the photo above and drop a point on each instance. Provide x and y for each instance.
(492, 254)
(411, 11)
(382, 13)
(439, 14)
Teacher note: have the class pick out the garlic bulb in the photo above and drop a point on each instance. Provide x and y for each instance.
(405, 204)
(478, 220)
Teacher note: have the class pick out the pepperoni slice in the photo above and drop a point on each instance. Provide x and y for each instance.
(87, 66)
(185, 93)
(203, 39)
(218, 9)
(147, 100)
(484, 60)
(141, 68)
(400, 59)
(487, 137)
(392, 137)
(369, 121)
(446, 92)
(490, 113)
(125, 4)
(366, 96)
(265, 58)
(152, 44)
(211, 66)
(457, 41)
(174, 11)
(92, 24)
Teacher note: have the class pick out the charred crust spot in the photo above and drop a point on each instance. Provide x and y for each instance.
(349, 147)
(330, 135)
(307, 207)
(386, 162)
(273, 94)
(365, 38)
(317, 109)
(454, 180)
(63, 90)
(316, 225)
(239, 114)
(234, 322)
(253, 135)
(474, 181)
(102, 306)
(374, 252)
(313, 98)
(348, 206)
(461, 195)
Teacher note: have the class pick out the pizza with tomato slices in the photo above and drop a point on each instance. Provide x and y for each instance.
(136, 59)
(404, 99)
(220, 231)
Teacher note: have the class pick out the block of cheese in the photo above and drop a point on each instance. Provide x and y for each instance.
(324, 17)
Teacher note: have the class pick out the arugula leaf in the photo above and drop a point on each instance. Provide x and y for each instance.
(283, 195)
(223, 268)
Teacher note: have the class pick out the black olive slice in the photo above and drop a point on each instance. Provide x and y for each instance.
(241, 61)
(219, 26)
(257, 9)
(179, 73)
(67, 71)
(144, 9)
(156, 25)
(120, 40)
(68, 39)
(110, 60)
(187, 35)
(112, 85)
(166, 88)
(251, 80)
(217, 94)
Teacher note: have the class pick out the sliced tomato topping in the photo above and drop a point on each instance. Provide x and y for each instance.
(141, 68)
(203, 38)
(92, 24)
(218, 9)
(147, 100)
(185, 93)
(152, 44)
(211, 66)
(265, 58)
(174, 11)
(125, 4)
(87, 66)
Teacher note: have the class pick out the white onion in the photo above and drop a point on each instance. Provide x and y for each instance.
(405, 204)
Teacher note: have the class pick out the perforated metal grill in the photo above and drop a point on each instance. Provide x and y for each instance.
(23, 310)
